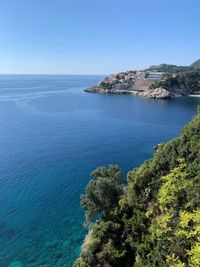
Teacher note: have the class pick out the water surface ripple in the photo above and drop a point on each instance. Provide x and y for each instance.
(52, 136)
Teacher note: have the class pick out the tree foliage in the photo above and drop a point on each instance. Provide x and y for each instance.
(154, 221)
(102, 192)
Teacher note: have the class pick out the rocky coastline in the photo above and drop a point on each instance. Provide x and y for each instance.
(158, 82)
(158, 93)
(98, 89)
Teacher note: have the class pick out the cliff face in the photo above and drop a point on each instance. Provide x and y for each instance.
(157, 93)
(155, 219)
(185, 83)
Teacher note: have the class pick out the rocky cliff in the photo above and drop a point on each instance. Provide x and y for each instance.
(181, 84)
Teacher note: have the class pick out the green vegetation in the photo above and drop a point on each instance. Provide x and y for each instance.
(152, 221)
(168, 68)
(196, 64)
(183, 83)
(179, 80)
(102, 193)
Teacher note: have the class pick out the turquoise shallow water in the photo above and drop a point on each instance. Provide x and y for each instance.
(52, 136)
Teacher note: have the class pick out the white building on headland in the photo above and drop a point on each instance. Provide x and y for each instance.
(154, 75)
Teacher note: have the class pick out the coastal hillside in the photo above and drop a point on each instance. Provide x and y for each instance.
(151, 220)
(184, 83)
(168, 68)
(196, 64)
(161, 81)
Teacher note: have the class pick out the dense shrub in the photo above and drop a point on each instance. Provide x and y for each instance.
(155, 219)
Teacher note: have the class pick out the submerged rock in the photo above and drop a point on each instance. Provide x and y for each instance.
(52, 244)
(66, 244)
(16, 264)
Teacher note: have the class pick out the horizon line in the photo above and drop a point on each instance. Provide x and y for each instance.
(89, 74)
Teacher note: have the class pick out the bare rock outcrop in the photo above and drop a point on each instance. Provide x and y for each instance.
(158, 93)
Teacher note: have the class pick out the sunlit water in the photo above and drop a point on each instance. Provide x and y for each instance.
(52, 136)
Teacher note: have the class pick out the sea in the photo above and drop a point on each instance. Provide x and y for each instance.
(52, 135)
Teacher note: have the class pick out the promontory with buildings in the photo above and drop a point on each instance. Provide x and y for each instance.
(159, 82)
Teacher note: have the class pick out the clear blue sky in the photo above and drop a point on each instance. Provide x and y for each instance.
(96, 36)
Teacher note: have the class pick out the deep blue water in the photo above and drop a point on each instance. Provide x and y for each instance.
(52, 136)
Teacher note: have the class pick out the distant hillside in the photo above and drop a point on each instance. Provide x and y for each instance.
(196, 64)
(168, 68)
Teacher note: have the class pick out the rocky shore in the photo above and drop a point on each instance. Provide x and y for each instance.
(158, 93)
(98, 89)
